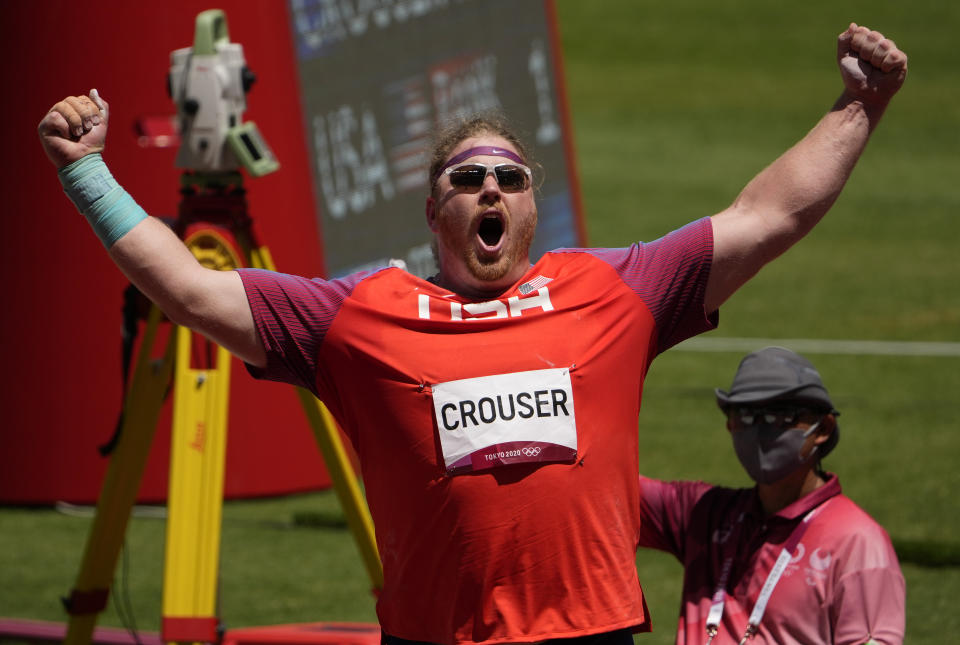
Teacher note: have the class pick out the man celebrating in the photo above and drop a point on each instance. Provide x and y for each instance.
(792, 560)
(493, 407)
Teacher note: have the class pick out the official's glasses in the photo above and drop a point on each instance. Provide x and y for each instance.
(512, 177)
(778, 416)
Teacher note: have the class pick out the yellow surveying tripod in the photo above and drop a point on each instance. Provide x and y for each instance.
(215, 226)
(209, 83)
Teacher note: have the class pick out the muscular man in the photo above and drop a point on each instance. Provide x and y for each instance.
(840, 582)
(493, 407)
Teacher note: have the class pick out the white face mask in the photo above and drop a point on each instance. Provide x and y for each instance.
(769, 453)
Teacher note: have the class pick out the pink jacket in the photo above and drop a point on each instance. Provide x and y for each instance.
(842, 585)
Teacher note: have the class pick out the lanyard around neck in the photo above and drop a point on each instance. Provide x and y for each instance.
(720, 595)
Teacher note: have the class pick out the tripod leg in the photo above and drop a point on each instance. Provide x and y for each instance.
(197, 463)
(120, 486)
(345, 484)
(338, 465)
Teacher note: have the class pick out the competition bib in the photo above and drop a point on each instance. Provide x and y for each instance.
(506, 419)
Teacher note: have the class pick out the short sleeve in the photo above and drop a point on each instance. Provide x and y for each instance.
(292, 315)
(870, 596)
(670, 275)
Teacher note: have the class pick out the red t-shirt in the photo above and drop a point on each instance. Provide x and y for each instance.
(478, 548)
(843, 585)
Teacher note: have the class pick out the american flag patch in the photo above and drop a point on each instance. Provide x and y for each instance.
(533, 285)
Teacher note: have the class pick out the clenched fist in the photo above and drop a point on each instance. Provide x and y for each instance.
(74, 128)
(872, 66)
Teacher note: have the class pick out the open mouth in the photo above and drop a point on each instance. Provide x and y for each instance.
(490, 230)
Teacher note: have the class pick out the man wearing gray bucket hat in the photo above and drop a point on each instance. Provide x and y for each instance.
(791, 560)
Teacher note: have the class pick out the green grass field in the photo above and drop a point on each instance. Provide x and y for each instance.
(675, 107)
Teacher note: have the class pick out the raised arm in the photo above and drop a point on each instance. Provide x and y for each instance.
(213, 303)
(784, 202)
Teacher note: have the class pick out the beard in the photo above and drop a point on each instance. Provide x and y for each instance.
(491, 268)
(464, 266)
(517, 249)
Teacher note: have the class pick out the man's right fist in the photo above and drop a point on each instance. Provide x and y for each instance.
(74, 128)
(872, 66)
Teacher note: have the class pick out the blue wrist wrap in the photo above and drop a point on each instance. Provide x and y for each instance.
(110, 209)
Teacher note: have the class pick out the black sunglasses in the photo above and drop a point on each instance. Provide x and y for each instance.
(511, 177)
(777, 416)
